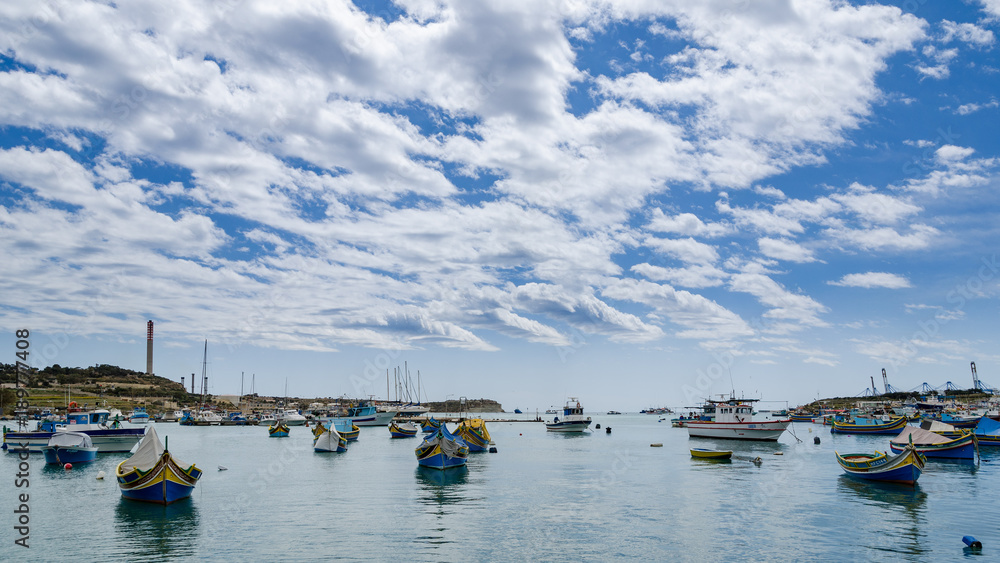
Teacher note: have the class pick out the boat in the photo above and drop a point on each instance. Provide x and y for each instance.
(473, 431)
(705, 453)
(734, 420)
(153, 474)
(208, 418)
(958, 421)
(517, 411)
(139, 416)
(403, 429)
(106, 435)
(407, 410)
(801, 416)
(933, 445)
(442, 450)
(572, 420)
(863, 425)
(364, 413)
(277, 430)
(328, 440)
(346, 428)
(613, 412)
(266, 419)
(904, 467)
(987, 432)
(430, 425)
(291, 417)
(69, 447)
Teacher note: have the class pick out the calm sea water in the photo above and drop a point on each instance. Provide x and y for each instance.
(542, 497)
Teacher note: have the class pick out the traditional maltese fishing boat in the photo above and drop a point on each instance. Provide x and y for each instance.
(278, 430)
(475, 434)
(153, 474)
(442, 450)
(403, 429)
(862, 425)
(933, 445)
(904, 467)
(328, 440)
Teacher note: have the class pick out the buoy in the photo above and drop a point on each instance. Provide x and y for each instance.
(972, 542)
(598, 427)
(493, 449)
(68, 466)
(656, 445)
(816, 440)
(608, 430)
(779, 453)
(100, 475)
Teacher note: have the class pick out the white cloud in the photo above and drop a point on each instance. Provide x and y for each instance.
(693, 276)
(784, 249)
(967, 32)
(685, 224)
(686, 250)
(951, 153)
(870, 280)
(785, 305)
(966, 109)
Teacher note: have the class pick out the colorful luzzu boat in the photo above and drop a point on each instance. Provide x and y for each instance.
(442, 450)
(346, 428)
(153, 474)
(403, 430)
(475, 434)
(328, 440)
(933, 445)
(430, 425)
(279, 430)
(869, 426)
(904, 467)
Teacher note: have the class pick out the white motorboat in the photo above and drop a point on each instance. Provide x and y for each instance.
(291, 417)
(734, 421)
(573, 419)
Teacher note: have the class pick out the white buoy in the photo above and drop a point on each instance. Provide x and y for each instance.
(100, 474)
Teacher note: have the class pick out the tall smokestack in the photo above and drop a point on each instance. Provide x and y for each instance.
(149, 348)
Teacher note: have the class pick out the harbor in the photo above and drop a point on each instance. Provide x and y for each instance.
(542, 496)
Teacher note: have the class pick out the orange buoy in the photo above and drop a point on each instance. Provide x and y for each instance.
(68, 466)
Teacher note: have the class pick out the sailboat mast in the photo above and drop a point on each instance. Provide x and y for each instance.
(204, 372)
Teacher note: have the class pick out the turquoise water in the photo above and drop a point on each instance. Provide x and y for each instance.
(542, 497)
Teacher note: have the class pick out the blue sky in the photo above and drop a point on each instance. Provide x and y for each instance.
(637, 203)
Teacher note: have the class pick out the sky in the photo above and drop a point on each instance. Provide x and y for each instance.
(637, 203)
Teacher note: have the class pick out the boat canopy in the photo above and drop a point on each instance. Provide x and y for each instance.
(920, 437)
(449, 443)
(988, 427)
(937, 426)
(71, 439)
(147, 454)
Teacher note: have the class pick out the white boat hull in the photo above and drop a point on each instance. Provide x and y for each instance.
(567, 426)
(377, 419)
(760, 431)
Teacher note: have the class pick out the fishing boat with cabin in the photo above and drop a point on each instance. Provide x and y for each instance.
(106, 435)
(573, 419)
(734, 420)
(69, 447)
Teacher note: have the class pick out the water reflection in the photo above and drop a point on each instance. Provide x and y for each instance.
(440, 483)
(155, 532)
(904, 507)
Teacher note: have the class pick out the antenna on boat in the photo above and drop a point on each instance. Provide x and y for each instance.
(732, 386)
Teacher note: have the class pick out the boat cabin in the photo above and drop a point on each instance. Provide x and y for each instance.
(733, 412)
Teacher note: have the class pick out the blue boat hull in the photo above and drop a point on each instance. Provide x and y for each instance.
(441, 461)
(967, 451)
(69, 455)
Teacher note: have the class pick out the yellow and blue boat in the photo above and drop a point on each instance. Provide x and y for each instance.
(430, 425)
(869, 426)
(904, 467)
(278, 430)
(442, 450)
(475, 434)
(404, 430)
(153, 474)
(346, 428)
(933, 445)
(704, 453)
(328, 439)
